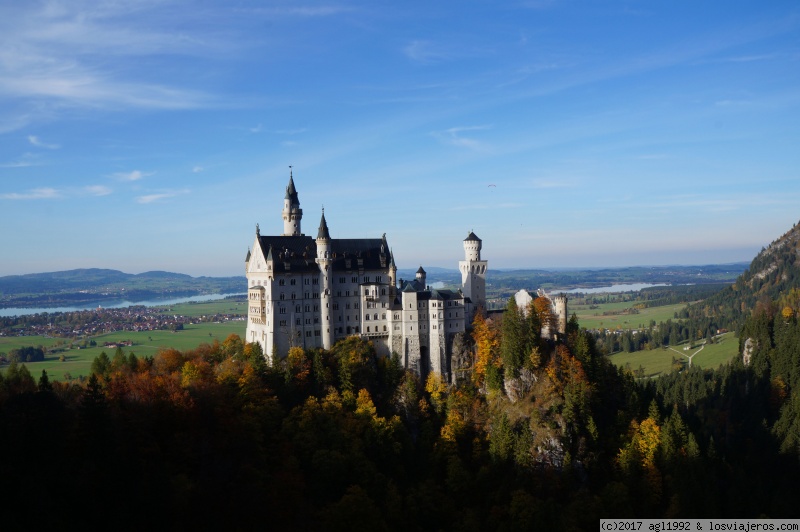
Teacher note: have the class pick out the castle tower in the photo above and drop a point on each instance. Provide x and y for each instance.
(473, 272)
(560, 308)
(292, 213)
(422, 276)
(324, 261)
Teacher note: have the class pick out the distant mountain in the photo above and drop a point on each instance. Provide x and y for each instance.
(96, 284)
(772, 276)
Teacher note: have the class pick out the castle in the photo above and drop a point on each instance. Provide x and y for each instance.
(310, 293)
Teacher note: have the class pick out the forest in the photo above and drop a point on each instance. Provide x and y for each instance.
(537, 433)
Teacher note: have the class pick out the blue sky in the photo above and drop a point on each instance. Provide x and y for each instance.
(154, 135)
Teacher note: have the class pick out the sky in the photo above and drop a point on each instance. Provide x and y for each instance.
(156, 134)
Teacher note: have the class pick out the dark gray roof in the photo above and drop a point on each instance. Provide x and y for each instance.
(472, 236)
(421, 270)
(347, 254)
(247, 259)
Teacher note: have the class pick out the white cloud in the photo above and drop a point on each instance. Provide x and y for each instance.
(36, 141)
(197, 169)
(150, 198)
(425, 52)
(256, 129)
(33, 194)
(454, 137)
(135, 175)
(97, 190)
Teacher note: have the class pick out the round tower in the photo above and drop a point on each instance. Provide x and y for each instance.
(472, 247)
(560, 307)
(324, 259)
(473, 273)
(292, 213)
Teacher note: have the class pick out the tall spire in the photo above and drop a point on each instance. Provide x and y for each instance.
(292, 213)
(323, 228)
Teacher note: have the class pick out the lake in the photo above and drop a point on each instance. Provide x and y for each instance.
(632, 287)
(114, 303)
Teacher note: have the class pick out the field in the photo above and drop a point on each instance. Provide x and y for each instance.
(594, 319)
(657, 361)
(79, 361)
(209, 308)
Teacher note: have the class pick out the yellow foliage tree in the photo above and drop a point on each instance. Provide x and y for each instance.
(487, 345)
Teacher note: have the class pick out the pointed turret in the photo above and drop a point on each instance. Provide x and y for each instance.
(292, 213)
(323, 228)
(324, 261)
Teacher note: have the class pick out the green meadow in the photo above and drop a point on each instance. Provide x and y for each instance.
(78, 361)
(658, 361)
(594, 318)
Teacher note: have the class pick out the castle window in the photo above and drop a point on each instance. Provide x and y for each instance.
(336, 306)
(281, 282)
(308, 321)
(308, 334)
(379, 279)
(306, 281)
(315, 281)
(306, 295)
(355, 280)
(283, 323)
(340, 319)
(342, 280)
(397, 316)
(293, 295)
(339, 293)
(383, 316)
(366, 279)
(356, 329)
(355, 305)
(308, 308)
(366, 317)
(384, 328)
(297, 308)
(367, 329)
(297, 321)
(316, 320)
(316, 333)
(347, 293)
(383, 304)
(281, 296)
(383, 291)
(316, 308)
(292, 282)
(375, 317)
(347, 306)
(283, 310)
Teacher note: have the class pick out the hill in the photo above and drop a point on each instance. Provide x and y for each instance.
(772, 277)
(95, 284)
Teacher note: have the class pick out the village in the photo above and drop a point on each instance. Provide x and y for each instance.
(82, 325)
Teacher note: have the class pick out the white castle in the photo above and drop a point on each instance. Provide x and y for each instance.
(311, 293)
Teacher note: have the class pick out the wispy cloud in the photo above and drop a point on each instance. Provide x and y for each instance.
(135, 175)
(258, 129)
(151, 198)
(97, 190)
(423, 51)
(454, 136)
(33, 194)
(36, 141)
(197, 169)
(302, 11)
